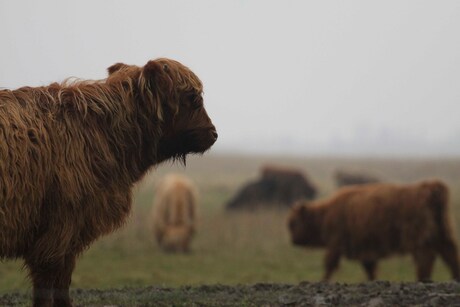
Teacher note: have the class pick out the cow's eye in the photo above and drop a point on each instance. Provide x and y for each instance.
(197, 102)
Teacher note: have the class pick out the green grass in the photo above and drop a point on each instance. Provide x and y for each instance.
(235, 248)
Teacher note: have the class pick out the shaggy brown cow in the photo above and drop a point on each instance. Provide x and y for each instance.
(369, 222)
(70, 153)
(173, 213)
(277, 186)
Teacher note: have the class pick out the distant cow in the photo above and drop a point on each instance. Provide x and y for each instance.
(173, 213)
(343, 178)
(370, 222)
(277, 186)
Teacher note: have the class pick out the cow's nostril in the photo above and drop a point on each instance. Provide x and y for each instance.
(214, 134)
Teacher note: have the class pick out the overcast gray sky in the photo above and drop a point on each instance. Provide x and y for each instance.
(298, 77)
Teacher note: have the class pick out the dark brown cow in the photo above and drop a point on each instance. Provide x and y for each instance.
(343, 178)
(277, 186)
(71, 152)
(370, 222)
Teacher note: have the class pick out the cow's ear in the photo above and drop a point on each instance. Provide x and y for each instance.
(116, 67)
(156, 87)
(304, 210)
(156, 75)
(299, 208)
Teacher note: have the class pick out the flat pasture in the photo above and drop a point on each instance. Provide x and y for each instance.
(243, 247)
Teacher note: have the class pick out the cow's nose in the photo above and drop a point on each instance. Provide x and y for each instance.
(214, 134)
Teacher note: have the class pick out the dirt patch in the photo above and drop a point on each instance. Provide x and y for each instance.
(371, 294)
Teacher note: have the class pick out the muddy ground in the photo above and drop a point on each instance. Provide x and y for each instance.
(372, 294)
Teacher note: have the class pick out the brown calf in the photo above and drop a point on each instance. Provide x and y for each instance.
(71, 152)
(370, 222)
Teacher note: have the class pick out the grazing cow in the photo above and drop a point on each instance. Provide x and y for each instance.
(277, 187)
(71, 152)
(173, 213)
(343, 178)
(370, 222)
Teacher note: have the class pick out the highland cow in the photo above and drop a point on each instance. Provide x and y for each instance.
(370, 222)
(173, 213)
(277, 186)
(343, 178)
(71, 152)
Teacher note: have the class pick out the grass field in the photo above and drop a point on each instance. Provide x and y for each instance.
(236, 248)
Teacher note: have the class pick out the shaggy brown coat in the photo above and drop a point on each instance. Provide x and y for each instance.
(370, 222)
(173, 213)
(70, 153)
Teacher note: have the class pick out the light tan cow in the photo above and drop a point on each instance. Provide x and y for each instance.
(173, 213)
